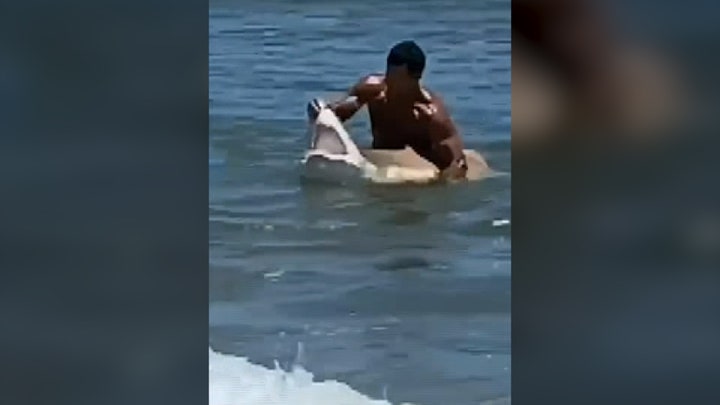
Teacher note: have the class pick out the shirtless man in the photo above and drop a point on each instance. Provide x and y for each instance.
(404, 113)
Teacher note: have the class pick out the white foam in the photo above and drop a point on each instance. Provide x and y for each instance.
(236, 381)
(500, 222)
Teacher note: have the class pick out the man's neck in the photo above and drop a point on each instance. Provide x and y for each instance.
(406, 96)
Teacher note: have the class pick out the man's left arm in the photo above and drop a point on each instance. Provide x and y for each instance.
(447, 144)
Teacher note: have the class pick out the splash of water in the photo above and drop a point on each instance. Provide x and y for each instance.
(236, 381)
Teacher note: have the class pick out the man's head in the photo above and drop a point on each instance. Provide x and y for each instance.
(405, 65)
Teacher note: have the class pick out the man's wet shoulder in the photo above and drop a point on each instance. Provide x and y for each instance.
(438, 102)
(373, 78)
(432, 96)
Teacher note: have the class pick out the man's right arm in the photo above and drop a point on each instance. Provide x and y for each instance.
(365, 90)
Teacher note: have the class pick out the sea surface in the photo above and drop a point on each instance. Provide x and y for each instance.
(328, 294)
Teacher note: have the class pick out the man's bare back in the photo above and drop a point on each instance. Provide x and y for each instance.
(405, 114)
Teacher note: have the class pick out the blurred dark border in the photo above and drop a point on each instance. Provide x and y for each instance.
(104, 190)
(616, 242)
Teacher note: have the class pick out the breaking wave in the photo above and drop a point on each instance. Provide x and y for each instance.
(236, 381)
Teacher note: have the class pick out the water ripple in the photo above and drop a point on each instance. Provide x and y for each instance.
(397, 289)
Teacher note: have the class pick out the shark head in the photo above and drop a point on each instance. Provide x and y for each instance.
(329, 140)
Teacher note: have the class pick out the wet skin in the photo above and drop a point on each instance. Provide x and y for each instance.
(405, 114)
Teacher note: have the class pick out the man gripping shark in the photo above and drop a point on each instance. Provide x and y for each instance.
(403, 113)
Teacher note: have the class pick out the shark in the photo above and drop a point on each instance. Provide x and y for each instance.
(333, 155)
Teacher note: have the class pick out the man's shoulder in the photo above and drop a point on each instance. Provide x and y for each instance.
(369, 88)
(372, 78)
(435, 103)
(432, 97)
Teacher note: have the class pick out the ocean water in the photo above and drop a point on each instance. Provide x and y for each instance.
(329, 294)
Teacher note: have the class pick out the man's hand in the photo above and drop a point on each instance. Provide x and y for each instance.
(455, 172)
(314, 107)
